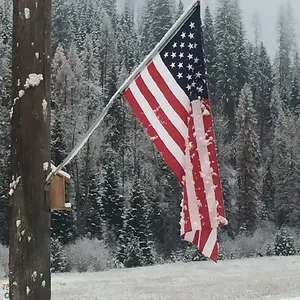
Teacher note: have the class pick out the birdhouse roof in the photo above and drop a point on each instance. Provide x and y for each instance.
(61, 173)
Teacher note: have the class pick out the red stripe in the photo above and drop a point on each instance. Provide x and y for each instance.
(208, 127)
(161, 147)
(198, 180)
(161, 116)
(215, 253)
(169, 95)
(205, 232)
(200, 241)
(196, 238)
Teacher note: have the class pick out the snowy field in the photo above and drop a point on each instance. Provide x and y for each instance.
(260, 278)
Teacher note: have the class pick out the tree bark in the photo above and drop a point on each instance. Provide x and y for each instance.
(29, 260)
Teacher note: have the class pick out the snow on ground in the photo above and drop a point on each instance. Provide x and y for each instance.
(275, 278)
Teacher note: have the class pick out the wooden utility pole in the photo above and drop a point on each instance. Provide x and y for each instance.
(29, 264)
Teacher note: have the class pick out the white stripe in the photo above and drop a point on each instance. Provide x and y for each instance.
(158, 127)
(182, 222)
(189, 236)
(164, 104)
(171, 82)
(191, 192)
(210, 243)
(206, 172)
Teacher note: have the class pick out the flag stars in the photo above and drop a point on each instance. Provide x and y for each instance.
(200, 89)
(191, 35)
(179, 75)
(183, 56)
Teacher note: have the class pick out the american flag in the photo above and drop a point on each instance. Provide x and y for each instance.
(170, 98)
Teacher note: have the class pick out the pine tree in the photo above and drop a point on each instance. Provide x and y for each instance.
(4, 71)
(106, 48)
(60, 72)
(58, 257)
(226, 153)
(268, 192)
(241, 71)
(286, 44)
(166, 205)
(261, 80)
(76, 106)
(210, 53)
(126, 38)
(63, 227)
(62, 222)
(91, 68)
(88, 18)
(286, 165)
(6, 10)
(146, 28)
(63, 32)
(179, 10)
(94, 221)
(248, 162)
(295, 92)
(226, 59)
(135, 238)
(284, 243)
(160, 22)
(154, 23)
(58, 145)
(110, 6)
(114, 122)
(85, 164)
(111, 200)
(264, 95)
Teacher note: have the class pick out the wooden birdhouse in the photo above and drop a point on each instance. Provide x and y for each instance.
(58, 191)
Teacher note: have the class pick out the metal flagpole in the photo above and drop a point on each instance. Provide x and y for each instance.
(172, 31)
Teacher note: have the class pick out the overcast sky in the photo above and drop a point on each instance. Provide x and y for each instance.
(268, 11)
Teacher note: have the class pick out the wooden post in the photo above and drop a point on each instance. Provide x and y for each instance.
(29, 260)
